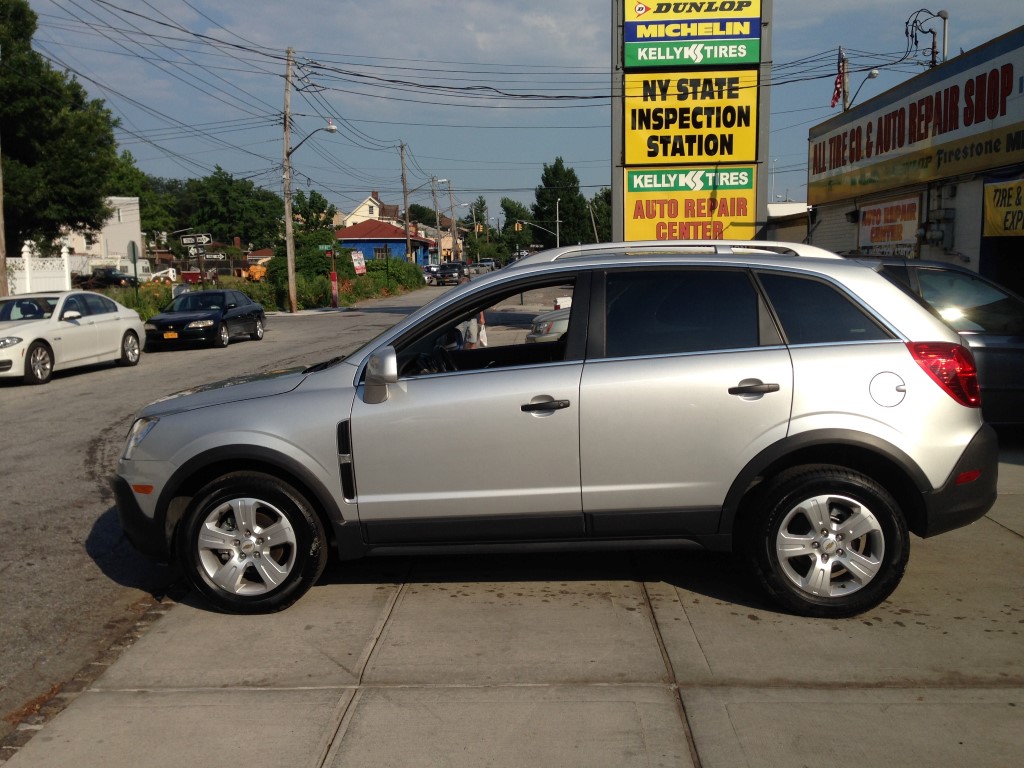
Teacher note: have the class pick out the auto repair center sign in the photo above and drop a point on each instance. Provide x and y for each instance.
(964, 117)
(690, 108)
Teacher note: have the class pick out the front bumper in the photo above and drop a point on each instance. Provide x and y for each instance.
(144, 533)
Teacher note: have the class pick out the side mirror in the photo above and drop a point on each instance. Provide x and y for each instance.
(71, 314)
(381, 370)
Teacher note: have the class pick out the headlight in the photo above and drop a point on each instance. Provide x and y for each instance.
(137, 434)
(150, 327)
(9, 341)
(200, 324)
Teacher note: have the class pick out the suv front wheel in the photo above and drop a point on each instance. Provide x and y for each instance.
(827, 541)
(251, 543)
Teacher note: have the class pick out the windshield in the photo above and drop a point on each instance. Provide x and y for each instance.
(196, 302)
(27, 308)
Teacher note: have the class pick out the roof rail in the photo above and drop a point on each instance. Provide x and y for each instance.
(641, 247)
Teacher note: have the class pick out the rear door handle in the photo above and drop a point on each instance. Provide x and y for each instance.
(753, 389)
(550, 405)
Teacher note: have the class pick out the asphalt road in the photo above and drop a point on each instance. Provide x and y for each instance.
(69, 582)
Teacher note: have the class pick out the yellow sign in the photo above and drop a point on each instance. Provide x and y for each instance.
(660, 13)
(690, 203)
(697, 117)
(1004, 209)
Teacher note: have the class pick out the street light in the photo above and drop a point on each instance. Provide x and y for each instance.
(871, 75)
(289, 234)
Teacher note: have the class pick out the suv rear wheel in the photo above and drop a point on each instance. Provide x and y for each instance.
(251, 543)
(827, 541)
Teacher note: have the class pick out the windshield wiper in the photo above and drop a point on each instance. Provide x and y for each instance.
(325, 364)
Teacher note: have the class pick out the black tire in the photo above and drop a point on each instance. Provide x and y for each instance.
(38, 363)
(223, 336)
(257, 333)
(826, 541)
(131, 350)
(251, 543)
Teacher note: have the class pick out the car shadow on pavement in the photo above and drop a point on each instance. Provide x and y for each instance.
(121, 563)
(710, 575)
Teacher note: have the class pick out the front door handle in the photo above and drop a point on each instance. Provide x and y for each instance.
(550, 405)
(753, 389)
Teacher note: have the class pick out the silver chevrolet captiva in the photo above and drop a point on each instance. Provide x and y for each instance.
(769, 399)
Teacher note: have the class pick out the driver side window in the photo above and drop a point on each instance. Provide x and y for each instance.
(528, 326)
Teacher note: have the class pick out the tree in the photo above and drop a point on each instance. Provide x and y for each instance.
(601, 214)
(422, 215)
(560, 207)
(58, 144)
(517, 240)
(227, 208)
(313, 213)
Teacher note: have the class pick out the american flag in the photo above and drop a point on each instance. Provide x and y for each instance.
(837, 92)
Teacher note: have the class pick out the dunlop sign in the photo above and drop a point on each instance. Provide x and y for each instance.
(692, 34)
(690, 203)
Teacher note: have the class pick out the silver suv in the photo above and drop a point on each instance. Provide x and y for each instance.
(765, 398)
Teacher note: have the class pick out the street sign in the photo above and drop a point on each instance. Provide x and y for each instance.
(196, 250)
(326, 247)
(196, 239)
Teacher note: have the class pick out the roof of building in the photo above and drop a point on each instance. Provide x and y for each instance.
(371, 229)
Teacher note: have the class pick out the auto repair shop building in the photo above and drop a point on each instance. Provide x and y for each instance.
(931, 169)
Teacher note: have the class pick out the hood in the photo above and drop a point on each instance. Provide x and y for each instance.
(231, 390)
(11, 326)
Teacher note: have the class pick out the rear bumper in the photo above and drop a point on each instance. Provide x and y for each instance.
(960, 503)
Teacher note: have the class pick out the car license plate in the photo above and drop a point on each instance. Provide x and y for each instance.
(171, 335)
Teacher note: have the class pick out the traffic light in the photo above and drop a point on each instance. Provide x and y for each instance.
(479, 228)
(519, 226)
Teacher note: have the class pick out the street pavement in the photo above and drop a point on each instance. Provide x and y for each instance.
(641, 658)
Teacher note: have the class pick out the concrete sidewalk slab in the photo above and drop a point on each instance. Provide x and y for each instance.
(511, 727)
(526, 631)
(956, 619)
(253, 727)
(835, 726)
(323, 640)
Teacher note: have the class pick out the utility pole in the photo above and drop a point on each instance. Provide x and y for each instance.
(405, 202)
(455, 237)
(437, 217)
(289, 234)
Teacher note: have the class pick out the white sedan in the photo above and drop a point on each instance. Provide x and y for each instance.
(45, 332)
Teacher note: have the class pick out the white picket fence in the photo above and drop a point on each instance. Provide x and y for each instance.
(32, 273)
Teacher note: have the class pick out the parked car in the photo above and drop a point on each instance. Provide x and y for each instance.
(105, 277)
(206, 317)
(430, 273)
(52, 331)
(549, 326)
(486, 265)
(989, 317)
(449, 273)
(770, 399)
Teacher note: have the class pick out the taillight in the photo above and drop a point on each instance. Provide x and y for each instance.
(952, 367)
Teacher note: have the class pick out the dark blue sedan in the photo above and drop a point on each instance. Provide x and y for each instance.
(206, 317)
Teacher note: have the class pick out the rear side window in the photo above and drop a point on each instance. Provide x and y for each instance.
(663, 312)
(814, 312)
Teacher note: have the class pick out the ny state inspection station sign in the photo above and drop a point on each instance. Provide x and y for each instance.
(674, 35)
(699, 117)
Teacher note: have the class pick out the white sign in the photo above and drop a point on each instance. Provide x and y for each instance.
(890, 228)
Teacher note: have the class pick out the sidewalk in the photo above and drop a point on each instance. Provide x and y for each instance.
(641, 659)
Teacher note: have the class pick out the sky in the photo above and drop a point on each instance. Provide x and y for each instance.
(481, 94)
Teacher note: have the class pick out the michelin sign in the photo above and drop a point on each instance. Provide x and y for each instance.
(692, 34)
